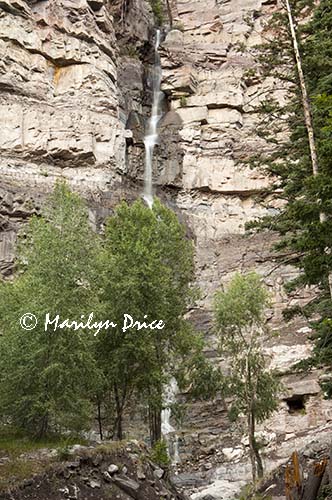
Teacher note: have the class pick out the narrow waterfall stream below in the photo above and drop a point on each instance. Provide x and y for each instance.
(151, 136)
(150, 141)
(167, 430)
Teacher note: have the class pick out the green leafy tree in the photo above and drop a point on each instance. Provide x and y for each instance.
(301, 168)
(197, 375)
(240, 323)
(148, 268)
(46, 376)
(159, 454)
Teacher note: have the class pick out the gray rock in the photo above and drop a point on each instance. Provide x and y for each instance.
(187, 480)
(127, 485)
(159, 473)
(112, 469)
(140, 474)
(94, 484)
(68, 94)
(73, 465)
(107, 476)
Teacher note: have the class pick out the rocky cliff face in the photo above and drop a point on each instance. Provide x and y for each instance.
(74, 93)
(68, 85)
(206, 76)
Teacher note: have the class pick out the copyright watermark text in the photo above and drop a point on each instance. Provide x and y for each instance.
(29, 321)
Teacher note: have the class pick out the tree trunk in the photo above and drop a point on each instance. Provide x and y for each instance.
(119, 406)
(100, 420)
(305, 98)
(155, 425)
(307, 116)
(329, 468)
(169, 11)
(43, 429)
(251, 434)
(119, 431)
(259, 463)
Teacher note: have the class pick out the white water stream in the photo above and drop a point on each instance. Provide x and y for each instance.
(151, 137)
(150, 141)
(167, 429)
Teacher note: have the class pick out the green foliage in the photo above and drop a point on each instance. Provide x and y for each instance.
(143, 267)
(239, 316)
(305, 237)
(130, 51)
(206, 380)
(240, 47)
(240, 324)
(178, 26)
(241, 307)
(159, 453)
(183, 101)
(249, 492)
(157, 9)
(147, 266)
(63, 452)
(325, 492)
(19, 450)
(44, 173)
(14, 442)
(46, 376)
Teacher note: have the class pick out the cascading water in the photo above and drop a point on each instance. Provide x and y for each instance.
(166, 428)
(151, 137)
(150, 141)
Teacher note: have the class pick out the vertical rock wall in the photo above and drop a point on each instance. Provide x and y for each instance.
(207, 135)
(70, 76)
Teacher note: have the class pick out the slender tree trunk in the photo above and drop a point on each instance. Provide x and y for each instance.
(117, 427)
(119, 405)
(305, 98)
(253, 451)
(251, 434)
(155, 425)
(259, 463)
(43, 428)
(100, 420)
(119, 430)
(258, 460)
(169, 11)
(307, 115)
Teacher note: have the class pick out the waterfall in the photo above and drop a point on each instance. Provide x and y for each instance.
(151, 137)
(166, 428)
(150, 140)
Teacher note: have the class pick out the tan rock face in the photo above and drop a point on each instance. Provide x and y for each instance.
(59, 81)
(205, 61)
(66, 93)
